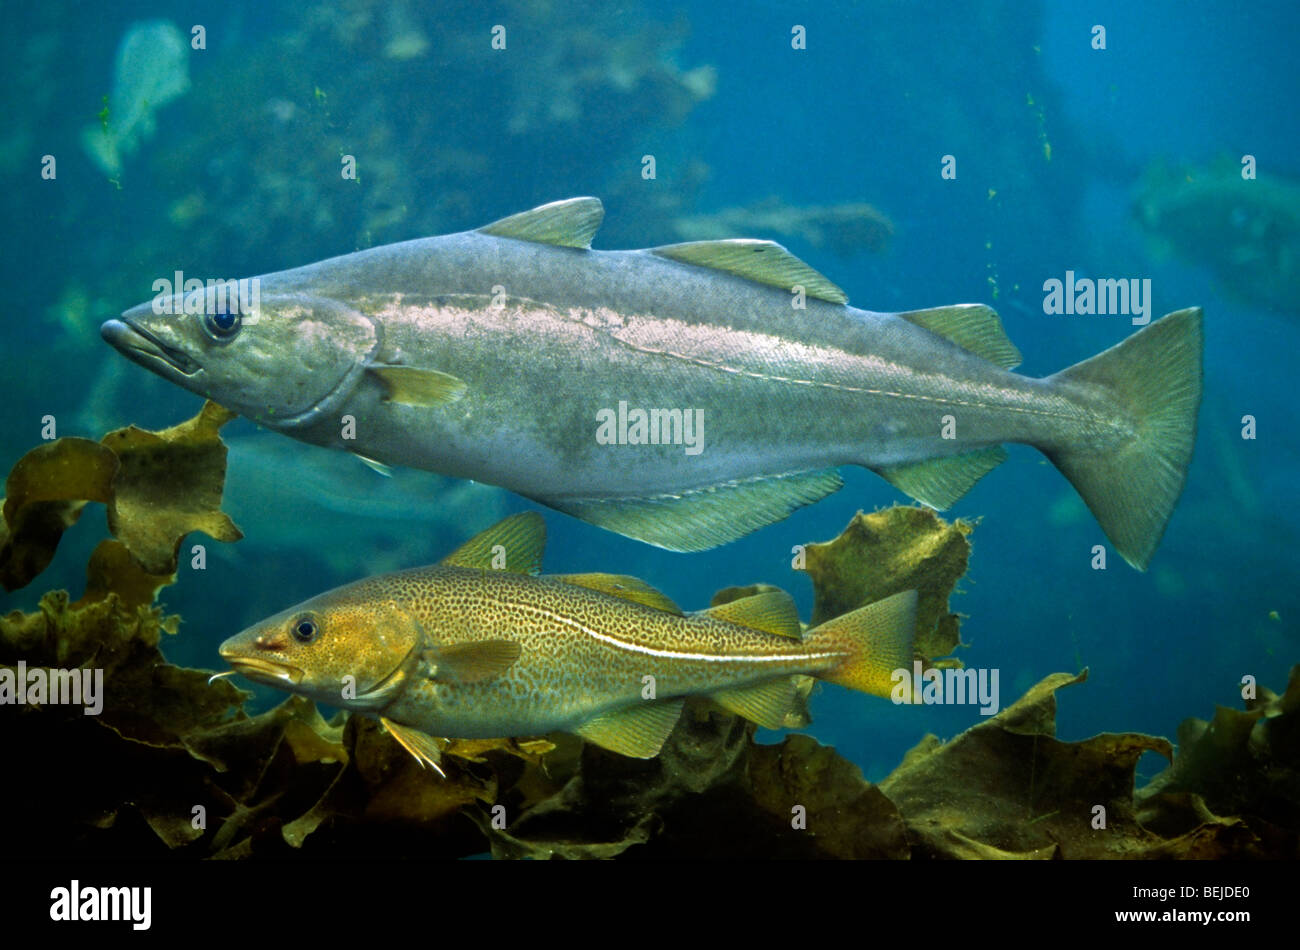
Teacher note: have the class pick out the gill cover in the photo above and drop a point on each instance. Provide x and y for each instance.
(293, 359)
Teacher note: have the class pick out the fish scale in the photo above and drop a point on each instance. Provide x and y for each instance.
(465, 650)
(501, 355)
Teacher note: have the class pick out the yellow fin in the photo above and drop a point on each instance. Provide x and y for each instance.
(771, 611)
(703, 518)
(474, 661)
(764, 262)
(623, 587)
(569, 223)
(973, 327)
(773, 704)
(518, 539)
(638, 731)
(940, 482)
(423, 747)
(877, 639)
(413, 386)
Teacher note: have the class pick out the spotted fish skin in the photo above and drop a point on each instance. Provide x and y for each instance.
(464, 650)
(583, 653)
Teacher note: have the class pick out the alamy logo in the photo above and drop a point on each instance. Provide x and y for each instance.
(946, 687)
(1083, 295)
(52, 687)
(683, 427)
(103, 903)
(215, 296)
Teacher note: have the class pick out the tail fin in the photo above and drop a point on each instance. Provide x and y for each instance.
(1156, 377)
(878, 640)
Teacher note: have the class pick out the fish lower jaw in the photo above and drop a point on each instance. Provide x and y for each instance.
(142, 347)
(267, 672)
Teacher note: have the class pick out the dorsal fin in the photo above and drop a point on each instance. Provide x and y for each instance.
(764, 262)
(569, 223)
(772, 611)
(624, 587)
(973, 327)
(520, 537)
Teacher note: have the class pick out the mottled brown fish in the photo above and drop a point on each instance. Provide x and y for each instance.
(479, 646)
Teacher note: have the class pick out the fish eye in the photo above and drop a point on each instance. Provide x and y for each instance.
(222, 325)
(304, 629)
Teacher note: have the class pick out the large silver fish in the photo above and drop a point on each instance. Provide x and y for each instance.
(683, 395)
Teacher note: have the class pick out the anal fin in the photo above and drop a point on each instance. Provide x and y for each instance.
(940, 482)
(774, 704)
(637, 731)
(703, 518)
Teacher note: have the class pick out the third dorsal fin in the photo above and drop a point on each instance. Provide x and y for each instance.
(764, 262)
(569, 223)
(973, 327)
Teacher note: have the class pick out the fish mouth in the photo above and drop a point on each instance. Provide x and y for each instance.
(141, 346)
(269, 672)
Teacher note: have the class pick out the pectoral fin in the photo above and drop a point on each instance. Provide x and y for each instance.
(423, 747)
(473, 662)
(638, 731)
(413, 386)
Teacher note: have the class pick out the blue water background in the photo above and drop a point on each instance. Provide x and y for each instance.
(844, 120)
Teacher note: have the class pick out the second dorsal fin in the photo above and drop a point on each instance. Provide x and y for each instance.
(623, 587)
(764, 262)
(973, 327)
(572, 222)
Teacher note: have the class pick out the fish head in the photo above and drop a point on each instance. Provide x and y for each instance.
(280, 359)
(343, 648)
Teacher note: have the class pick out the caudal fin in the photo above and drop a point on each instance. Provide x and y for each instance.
(1155, 375)
(878, 641)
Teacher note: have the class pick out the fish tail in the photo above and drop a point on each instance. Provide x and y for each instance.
(1155, 377)
(878, 641)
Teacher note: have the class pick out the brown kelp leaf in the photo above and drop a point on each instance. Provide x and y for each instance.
(244, 745)
(1007, 788)
(44, 495)
(99, 633)
(312, 739)
(112, 570)
(1240, 763)
(897, 549)
(161, 704)
(822, 796)
(169, 484)
(331, 803)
